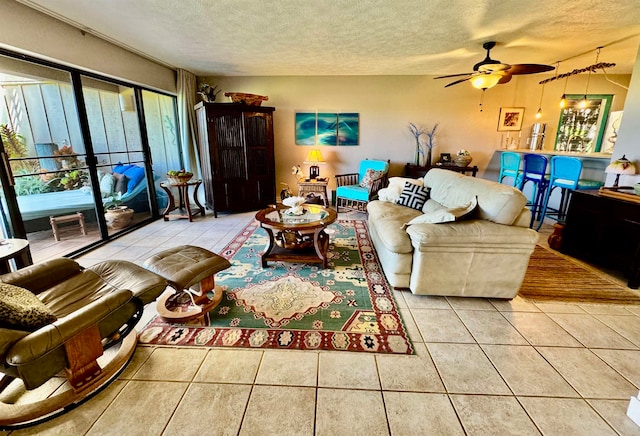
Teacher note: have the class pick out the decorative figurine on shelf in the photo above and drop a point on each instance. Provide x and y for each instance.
(207, 93)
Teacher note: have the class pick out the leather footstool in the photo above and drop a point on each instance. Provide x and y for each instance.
(185, 267)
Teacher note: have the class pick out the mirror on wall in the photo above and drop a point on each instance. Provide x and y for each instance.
(582, 122)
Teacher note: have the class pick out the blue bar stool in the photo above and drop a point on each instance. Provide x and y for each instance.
(534, 171)
(509, 166)
(565, 174)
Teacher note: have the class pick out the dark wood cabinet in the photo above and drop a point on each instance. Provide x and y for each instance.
(605, 231)
(416, 171)
(235, 142)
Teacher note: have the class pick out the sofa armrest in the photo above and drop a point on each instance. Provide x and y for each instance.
(346, 179)
(42, 276)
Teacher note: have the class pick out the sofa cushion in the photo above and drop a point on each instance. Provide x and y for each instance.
(21, 309)
(135, 174)
(388, 219)
(107, 185)
(353, 192)
(413, 196)
(446, 215)
(121, 183)
(496, 202)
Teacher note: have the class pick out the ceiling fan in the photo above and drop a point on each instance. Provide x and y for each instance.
(490, 72)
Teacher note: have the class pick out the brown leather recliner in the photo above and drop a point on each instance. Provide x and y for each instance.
(95, 308)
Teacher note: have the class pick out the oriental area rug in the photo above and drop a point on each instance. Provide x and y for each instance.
(552, 277)
(346, 307)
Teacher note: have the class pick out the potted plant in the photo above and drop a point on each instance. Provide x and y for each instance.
(117, 215)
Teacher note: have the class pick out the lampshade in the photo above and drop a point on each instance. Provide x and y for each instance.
(485, 81)
(314, 157)
(620, 166)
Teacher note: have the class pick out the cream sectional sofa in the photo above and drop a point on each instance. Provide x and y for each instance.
(482, 255)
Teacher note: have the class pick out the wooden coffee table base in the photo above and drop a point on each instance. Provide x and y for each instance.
(296, 246)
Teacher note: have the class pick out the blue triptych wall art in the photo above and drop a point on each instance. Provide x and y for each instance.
(327, 128)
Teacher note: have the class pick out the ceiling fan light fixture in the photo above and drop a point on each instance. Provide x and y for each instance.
(485, 81)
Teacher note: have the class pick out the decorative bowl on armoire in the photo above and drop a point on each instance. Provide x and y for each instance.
(244, 98)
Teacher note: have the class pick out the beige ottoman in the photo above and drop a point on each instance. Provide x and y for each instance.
(185, 267)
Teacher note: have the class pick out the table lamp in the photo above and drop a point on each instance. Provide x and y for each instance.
(314, 157)
(620, 166)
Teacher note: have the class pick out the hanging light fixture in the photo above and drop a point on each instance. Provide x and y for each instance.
(539, 113)
(583, 102)
(485, 81)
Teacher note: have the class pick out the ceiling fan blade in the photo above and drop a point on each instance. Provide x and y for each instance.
(453, 75)
(506, 78)
(529, 68)
(458, 81)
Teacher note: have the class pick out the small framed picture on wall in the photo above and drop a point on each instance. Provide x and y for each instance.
(510, 119)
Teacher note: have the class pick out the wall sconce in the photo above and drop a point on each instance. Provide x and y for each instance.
(314, 157)
(620, 166)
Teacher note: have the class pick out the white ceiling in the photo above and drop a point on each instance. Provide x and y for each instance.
(359, 37)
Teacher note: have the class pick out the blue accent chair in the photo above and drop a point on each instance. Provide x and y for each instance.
(350, 195)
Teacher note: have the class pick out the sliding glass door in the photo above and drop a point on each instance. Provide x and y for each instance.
(78, 149)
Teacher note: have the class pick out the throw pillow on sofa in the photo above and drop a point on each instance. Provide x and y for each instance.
(392, 192)
(371, 176)
(121, 183)
(135, 174)
(413, 196)
(446, 215)
(107, 185)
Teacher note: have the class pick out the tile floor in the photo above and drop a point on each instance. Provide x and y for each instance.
(481, 367)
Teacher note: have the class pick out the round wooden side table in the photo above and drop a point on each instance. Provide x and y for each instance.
(16, 249)
(184, 207)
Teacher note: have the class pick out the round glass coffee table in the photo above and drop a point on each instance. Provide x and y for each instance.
(296, 238)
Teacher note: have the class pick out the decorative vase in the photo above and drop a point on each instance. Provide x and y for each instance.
(118, 217)
(417, 157)
(427, 161)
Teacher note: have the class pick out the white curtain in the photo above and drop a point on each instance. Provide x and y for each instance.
(187, 119)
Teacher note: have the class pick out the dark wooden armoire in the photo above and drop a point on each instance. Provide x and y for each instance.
(235, 142)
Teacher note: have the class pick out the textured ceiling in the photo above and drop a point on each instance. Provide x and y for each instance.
(358, 37)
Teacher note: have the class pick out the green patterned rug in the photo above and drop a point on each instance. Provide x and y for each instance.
(348, 306)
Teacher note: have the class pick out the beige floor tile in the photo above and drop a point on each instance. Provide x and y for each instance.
(409, 373)
(142, 407)
(343, 369)
(490, 327)
(171, 364)
(292, 368)
(526, 372)
(467, 303)
(210, 409)
(605, 309)
(465, 369)
(350, 412)
(140, 356)
(420, 414)
(627, 326)
(410, 325)
(550, 307)
(589, 375)
(399, 298)
(591, 332)
(539, 329)
(425, 301)
(229, 366)
(633, 309)
(491, 415)
(615, 413)
(565, 416)
(279, 410)
(626, 362)
(518, 304)
(79, 420)
(437, 325)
